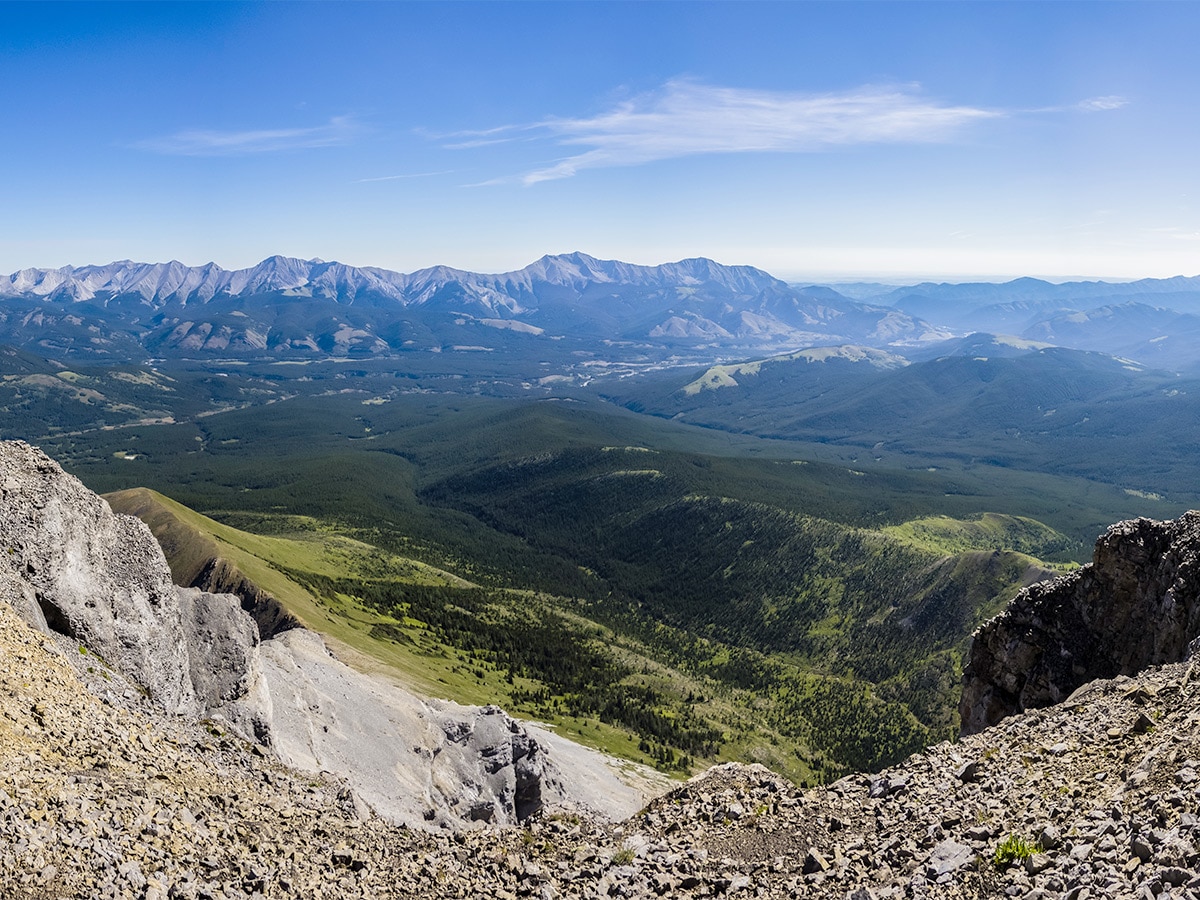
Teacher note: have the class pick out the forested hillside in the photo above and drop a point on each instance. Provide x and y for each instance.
(674, 594)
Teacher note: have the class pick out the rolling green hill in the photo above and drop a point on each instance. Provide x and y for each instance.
(1045, 409)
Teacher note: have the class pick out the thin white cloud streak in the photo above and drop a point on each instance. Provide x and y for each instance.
(403, 177)
(486, 137)
(478, 142)
(197, 142)
(1102, 104)
(688, 119)
(1091, 104)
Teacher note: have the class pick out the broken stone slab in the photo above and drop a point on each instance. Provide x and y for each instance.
(948, 856)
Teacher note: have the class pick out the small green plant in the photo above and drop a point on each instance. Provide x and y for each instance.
(1014, 848)
(623, 857)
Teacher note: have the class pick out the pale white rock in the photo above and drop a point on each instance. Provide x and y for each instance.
(426, 763)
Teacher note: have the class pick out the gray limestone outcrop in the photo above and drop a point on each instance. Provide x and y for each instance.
(224, 662)
(97, 577)
(1137, 604)
(220, 576)
(195, 560)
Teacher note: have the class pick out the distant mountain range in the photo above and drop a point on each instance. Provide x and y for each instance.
(549, 278)
(694, 309)
(288, 306)
(1155, 321)
(953, 302)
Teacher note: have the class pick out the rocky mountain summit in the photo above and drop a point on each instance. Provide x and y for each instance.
(1093, 798)
(105, 794)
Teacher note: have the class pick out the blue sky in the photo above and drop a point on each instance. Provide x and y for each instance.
(879, 140)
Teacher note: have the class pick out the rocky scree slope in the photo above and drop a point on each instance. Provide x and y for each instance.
(1137, 604)
(98, 584)
(103, 796)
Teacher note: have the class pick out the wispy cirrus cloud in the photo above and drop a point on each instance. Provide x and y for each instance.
(1090, 105)
(686, 118)
(1102, 104)
(403, 177)
(203, 142)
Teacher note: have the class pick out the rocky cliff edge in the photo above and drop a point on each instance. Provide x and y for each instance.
(1137, 604)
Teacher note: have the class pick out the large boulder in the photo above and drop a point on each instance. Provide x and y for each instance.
(1137, 604)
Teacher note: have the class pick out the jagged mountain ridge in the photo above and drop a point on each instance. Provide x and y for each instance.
(160, 283)
(292, 307)
(312, 307)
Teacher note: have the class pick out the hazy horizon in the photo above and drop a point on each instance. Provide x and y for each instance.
(817, 141)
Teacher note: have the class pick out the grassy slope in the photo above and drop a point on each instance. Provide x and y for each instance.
(771, 709)
(988, 531)
(267, 560)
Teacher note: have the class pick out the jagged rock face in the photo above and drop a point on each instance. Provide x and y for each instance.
(508, 765)
(95, 576)
(195, 561)
(222, 645)
(219, 576)
(1137, 604)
